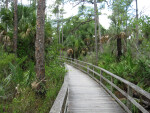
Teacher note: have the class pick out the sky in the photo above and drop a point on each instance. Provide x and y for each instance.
(143, 5)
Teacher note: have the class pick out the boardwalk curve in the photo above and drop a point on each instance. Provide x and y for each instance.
(88, 93)
(87, 96)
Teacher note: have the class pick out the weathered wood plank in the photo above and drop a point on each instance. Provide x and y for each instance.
(136, 88)
(95, 111)
(81, 64)
(87, 96)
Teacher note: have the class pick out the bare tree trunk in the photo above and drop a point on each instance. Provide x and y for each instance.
(6, 4)
(15, 27)
(125, 39)
(96, 47)
(62, 30)
(99, 34)
(62, 34)
(119, 47)
(0, 8)
(59, 27)
(62, 24)
(39, 42)
(98, 27)
(137, 33)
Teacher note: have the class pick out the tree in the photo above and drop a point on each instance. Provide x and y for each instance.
(15, 27)
(56, 11)
(137, 32)
(6, 4)
(144, 25)
(39, 43)
(96, 24)
(62, 12)
(119, 20)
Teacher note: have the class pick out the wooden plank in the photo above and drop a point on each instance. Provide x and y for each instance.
(136, 88)
(129, 84)
(85, 95)
(100, 110)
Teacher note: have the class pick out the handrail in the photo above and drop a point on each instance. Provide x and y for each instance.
(60, 104)
(130, 86)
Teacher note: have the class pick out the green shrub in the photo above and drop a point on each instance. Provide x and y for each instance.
(5, 60)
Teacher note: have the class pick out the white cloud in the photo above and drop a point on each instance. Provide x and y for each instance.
(143, 6)
(69, 10)
(103, 18)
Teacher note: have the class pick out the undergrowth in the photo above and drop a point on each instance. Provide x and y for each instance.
(132, 69)
(16, 76)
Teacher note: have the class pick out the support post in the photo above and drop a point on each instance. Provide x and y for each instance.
(111, 85)
(93, 71)
(71, 61)
(77, 63)
(88, 69)
(130, 93)
(101, 73)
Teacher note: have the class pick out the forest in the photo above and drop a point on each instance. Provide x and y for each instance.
(32, 40)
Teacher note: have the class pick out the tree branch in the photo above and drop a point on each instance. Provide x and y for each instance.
(82, 23)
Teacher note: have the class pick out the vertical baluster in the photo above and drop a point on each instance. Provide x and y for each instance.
(130, 93)
(111, 85)
(93, 70)
(71, 61)
(101, 73)
(87, 68)
(77, 62)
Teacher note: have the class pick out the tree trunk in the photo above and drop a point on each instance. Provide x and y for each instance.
(119, 47)
(58, 32)
(39, 42)
(15, 27)
(125, 39)
(137, 33)
(96, 47)
(58, 28)
(99, 34)
(62, 30)
(6, 4)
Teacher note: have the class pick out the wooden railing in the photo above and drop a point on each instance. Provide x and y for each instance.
(103, 76)
(60, 104)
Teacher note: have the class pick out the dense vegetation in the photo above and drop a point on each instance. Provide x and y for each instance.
(17, 72)
(123, 49)
(119, 49)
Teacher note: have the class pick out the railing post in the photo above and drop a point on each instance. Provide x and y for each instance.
(88, 69)
(101, 73)
(77, 62)
(111, 85)
(130, 93)
(71, 61)
(93, 70)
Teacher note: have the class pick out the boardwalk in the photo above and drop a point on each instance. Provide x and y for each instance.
(87, 96)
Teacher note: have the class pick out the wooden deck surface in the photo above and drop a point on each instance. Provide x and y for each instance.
(87, 96)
